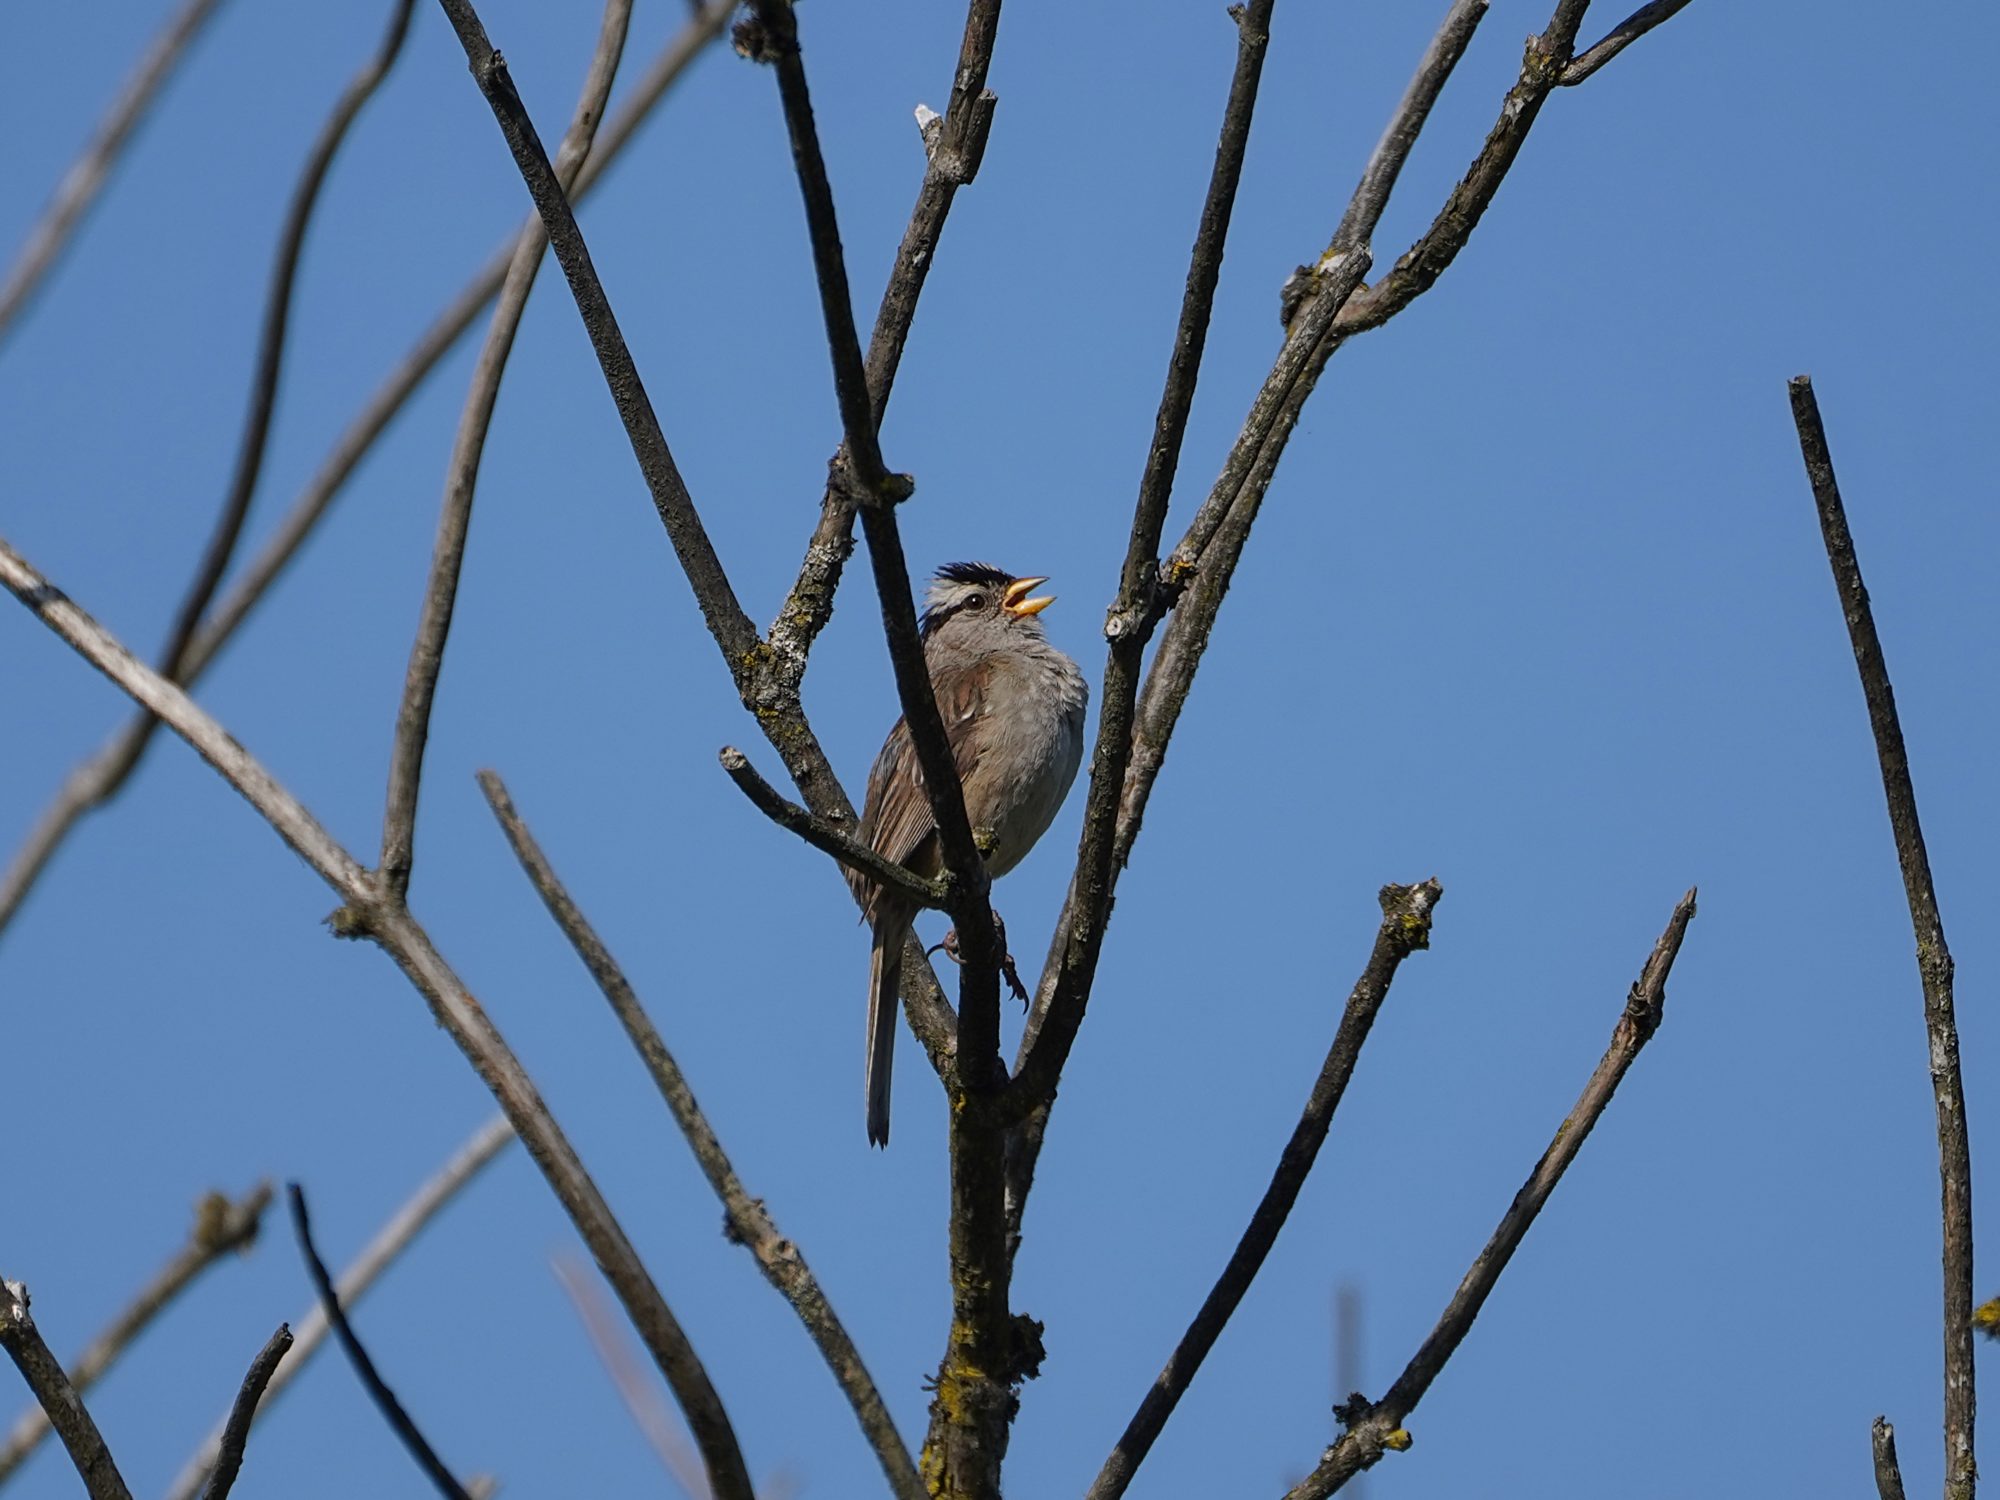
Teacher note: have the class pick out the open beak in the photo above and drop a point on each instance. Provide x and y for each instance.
(1016, 601)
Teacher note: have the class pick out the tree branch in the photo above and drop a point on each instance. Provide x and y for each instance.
(822, 835)
(1934, 965)
(1373, 1429)
(745, 1219)
(371, 1379)
(389, 923)
(1888, 1473)
(413, 715)
(97, 779)
(220, 1227)
(23, 1343)
(1406, 926)
(354, 1282)
(86, 177)
(236, 1433)
(1621, 36)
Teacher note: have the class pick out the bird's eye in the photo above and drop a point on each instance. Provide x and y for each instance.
(975, 601)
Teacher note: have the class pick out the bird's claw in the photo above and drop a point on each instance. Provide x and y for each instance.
(1007, 970)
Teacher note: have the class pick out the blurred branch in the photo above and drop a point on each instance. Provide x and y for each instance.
(387, 922)
(823, 836)
(745, 1219)
(236, 1432)
(413, 715)
(95, 780)
(354, 1282)
(1406, 927)
(371, 1379)
(1934, 965)
(45, 1378)
(219, 1228)
(86, 176)
(1888, 1473)
(1378, 1428)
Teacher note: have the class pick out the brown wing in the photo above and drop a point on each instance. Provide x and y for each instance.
(896, 820)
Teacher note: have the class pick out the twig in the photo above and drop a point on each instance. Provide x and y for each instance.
(413, 714)
(95, 780)
(1621, 36)
(1934, 966)
(979, 1001)
(640, 1395)
(1373, 1429)
(236, 1432)
(86, 176)
(745, 1219)
(1888, 1473)
(378, 1390)
(360, 1274)
(220, 1227)
(51, 1387)
(1406, 925)
(403, 938)
(822, 835)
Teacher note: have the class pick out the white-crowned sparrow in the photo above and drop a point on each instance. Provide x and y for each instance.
(1013, 713)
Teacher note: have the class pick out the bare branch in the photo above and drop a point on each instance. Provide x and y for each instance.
(23, 1343)
(1934, 965)
(371, 1379)
(220, 1228)
(389, 923)
(413, 715)
(1406, 926)
(354, 1282)
(1377, 1428)
(236, 1433)
(745, 1219)
(86, 176)
(1888, 1473)
(822, 835)
(97, 779)
(979, 1001)
(1621, 36)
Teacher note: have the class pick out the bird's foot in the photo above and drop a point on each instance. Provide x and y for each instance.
(1007, 970)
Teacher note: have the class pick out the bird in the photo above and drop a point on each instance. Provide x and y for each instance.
(1013, 708)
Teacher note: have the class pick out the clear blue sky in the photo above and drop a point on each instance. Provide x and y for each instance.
(1537, 606)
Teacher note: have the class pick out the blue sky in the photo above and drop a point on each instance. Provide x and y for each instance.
(1537, 605)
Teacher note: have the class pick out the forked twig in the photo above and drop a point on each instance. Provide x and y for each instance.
(1934, 966)
(1373, 1429)
(1405, 928)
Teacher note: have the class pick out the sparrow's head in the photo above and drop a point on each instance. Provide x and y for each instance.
(972, 599)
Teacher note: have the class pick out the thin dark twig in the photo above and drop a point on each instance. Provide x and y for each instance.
(413, 714)
(378, 1389)
(357, 1277)
(65, 1408)
(1621, 36)
(388, 923)
(745, 1219)
(220, 1228)
(1888, 1473)
(98, 778)
(86, 176)
(731, 628)
(1934, 965)
(979, 1015)
(824, 836)
(1375, 1428)
(1405, 928)
(236, 1432)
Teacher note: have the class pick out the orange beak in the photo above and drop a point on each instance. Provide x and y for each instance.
(1016, 601)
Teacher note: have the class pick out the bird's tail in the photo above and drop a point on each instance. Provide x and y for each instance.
(885, 972)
